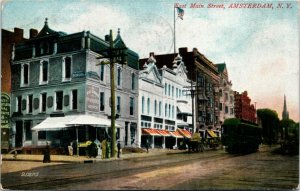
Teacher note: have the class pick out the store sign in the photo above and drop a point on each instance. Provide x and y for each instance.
(92, 98)
(5, 110)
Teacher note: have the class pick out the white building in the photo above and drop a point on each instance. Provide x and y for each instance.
(226, 106)
(165, 104)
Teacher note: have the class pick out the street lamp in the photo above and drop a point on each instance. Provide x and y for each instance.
(110, 58)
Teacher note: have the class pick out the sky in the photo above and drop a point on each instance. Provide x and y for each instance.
(260, 46)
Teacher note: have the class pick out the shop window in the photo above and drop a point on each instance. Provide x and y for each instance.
(42, 135)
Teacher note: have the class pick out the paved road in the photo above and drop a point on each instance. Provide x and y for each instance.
(208, 170)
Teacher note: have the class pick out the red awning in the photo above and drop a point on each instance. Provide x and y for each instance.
(184, 133)
(176, 134)
(150, 131)
(164, 133)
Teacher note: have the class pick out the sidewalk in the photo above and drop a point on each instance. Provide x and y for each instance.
(85, 159)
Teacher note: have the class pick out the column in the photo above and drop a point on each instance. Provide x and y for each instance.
(175, 146)
(164, 142)
(152, 142)
(128, 134)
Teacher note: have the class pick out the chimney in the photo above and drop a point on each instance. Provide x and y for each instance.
(33, 33)
(183, 50)
(18, 34)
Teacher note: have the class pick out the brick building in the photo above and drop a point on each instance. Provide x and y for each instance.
(243, 109)
(9, 39)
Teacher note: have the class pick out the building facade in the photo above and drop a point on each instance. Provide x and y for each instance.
(8, 40)
(243, 109)
(226, 105)
(57, 75)
(165, 107)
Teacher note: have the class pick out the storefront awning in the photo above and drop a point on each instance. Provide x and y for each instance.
(58, 123)
(184, 108)
(164, 133)
(185, 133)
(211, 133)
(150, 131)
(182, 123)
(53, 123)
(176, 134)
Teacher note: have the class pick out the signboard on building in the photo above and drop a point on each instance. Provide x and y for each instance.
(92, 98)
(5, 112)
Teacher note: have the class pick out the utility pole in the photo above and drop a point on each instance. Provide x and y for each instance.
(112, 53)
(191, 90)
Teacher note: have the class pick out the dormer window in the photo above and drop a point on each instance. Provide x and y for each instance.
(66, 70)
(44, 48)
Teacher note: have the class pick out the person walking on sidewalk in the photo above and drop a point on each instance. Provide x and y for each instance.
(119, 149)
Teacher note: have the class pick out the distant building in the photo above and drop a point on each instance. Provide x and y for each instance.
(56, 80)
(243, 109)
(165, 105)
(226, 105)
(285, 113)
(9, 39)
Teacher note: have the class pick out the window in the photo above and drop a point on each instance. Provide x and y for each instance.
(221, 107)
(44, 48)
(132, 81)
(169, 90)
(159, 109)
(179, 92)
(74, 99)
(226, 96)
(148, 106)
(166, 88)
(143, 104)
(44, 72)
(67, 64)
(43, 99)
(19, 104)
(231, 99)
(119, 76)
(118, 104)
(42, 135)
(176, 92)
(28, 133)
(102, 71)
(226, 109)
(102, 107)
(231, 111)
(30, 105)
(172, 91)
(166, 110)
(25, 74)
(221, 92)
(131, 106)
(155, 107)
(173, 113)
(59, 100)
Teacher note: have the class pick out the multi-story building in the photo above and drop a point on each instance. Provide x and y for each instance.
(243, 109)
(165, 108)
(8, 40)
(205, 74)
(56, 78)
(226, 105)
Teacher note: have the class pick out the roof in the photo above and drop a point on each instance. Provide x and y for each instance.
(46, 30)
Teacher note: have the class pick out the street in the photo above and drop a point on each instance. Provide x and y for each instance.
(207, 170)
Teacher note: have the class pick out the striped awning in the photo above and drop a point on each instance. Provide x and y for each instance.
(211, 133)
(185, 133)
(164, 133)
(176, 134)
(150, 131)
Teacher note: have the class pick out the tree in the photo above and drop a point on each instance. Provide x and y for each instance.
(285, 125)
(270, 125)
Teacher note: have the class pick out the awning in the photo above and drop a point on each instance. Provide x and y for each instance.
(91, 120)
(184, 108)
(185, 133)
(176, 134)
(58, 123)
(182, 123)
(150, 131)
(164, 133)
(53, 123)
(211, 133)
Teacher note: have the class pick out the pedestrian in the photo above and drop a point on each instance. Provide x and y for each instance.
(119, 149)
(108, 149)
(147, 145)
(103, 148)
(47, 154)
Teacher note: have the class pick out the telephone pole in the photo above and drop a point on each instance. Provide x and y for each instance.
(112, 54)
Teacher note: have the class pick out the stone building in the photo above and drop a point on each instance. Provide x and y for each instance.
(243, 109)
(56, 81)
(8, 40)
(226, 105)
(165, 110)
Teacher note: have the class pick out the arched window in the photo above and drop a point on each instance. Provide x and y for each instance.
(143, 104)
(148, 106)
